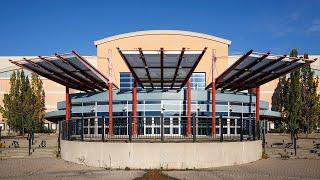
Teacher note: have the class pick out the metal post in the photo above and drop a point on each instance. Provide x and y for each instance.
(130, 127)
(134, 108)
(194, 132)
(254, 130)
(263, 136)
(241, 129)
(250, 111)
(29, 138)
(59, 137)
(68, 130)
(213, 95)
(188, 108)
(110, 109)
(221, 129)
(82, 129)
(103, 129)
(295, 141)
(67, 111)
(257, 113)
(161, 127)
(67, 104)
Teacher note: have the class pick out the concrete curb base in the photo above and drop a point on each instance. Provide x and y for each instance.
(160, 155)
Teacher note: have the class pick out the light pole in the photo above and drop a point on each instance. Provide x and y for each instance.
(254, 127)
(228, 124)
(125, 114)
(197, 120)
(161, 122)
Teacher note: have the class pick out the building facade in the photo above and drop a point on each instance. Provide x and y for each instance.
(151, 103)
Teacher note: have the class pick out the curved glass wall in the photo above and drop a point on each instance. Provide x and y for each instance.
(173, 105)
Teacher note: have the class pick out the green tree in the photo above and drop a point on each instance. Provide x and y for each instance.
(277, 100)
(310, 99)
(39, 96)
(294, 102)
(23, 107)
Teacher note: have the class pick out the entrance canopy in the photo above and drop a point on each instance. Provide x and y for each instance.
(254, 69)
(162, 69)
(70, 70)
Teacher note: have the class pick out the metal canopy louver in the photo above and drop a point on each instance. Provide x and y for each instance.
(70, 70)
(254, 69)
(162, 69)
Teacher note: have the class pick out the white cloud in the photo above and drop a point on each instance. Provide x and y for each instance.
(315, 26)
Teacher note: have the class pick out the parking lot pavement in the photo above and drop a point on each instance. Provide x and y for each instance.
(53, 168)
(42, 164)
(262, 169)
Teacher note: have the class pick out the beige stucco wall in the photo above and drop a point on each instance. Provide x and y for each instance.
(154, 40)
(160, 155)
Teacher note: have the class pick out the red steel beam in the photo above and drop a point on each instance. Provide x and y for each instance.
(213, 98)
(194, 67)
(146, 67)
(258, 103)
(67, 104)
(84, 73)
(68, 78)
(177, 67)
(233, 80)
(161, 63)
(69, 73)
(110, 108)
(47, 75)
(130, 68)
(134, 108)
(189, 108)
(91, 68)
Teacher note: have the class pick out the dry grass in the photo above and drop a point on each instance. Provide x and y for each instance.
(155, 175)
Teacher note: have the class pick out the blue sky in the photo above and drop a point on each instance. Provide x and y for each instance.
(44, 27)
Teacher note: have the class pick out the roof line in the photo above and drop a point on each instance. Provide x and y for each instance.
(162, 32)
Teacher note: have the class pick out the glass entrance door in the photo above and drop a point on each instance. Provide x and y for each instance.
(171, 126)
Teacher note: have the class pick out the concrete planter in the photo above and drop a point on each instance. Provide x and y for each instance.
(160, 155)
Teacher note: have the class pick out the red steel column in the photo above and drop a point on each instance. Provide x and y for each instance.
(134, 108)
(213, 95)
(213, 106)
(110, 108)
(257, 103)
(188, 108)
(67, 104)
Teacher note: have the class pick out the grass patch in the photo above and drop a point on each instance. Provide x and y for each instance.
(155, 175)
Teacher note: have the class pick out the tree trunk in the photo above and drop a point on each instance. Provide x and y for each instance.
(295, 146)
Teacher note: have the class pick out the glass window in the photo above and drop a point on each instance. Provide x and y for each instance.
(126, 81)
(198, 80)
(148, 130)
(148, 121)
(232, 130)
(175, 121)
(166, 121)
(91, 130)
(232, 122)
(156, 130)
(175, 130)
(166, 130)
(91, 122)
(100, 131)
(157, 120)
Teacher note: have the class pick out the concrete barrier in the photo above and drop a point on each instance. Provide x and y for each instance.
(160, 155)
